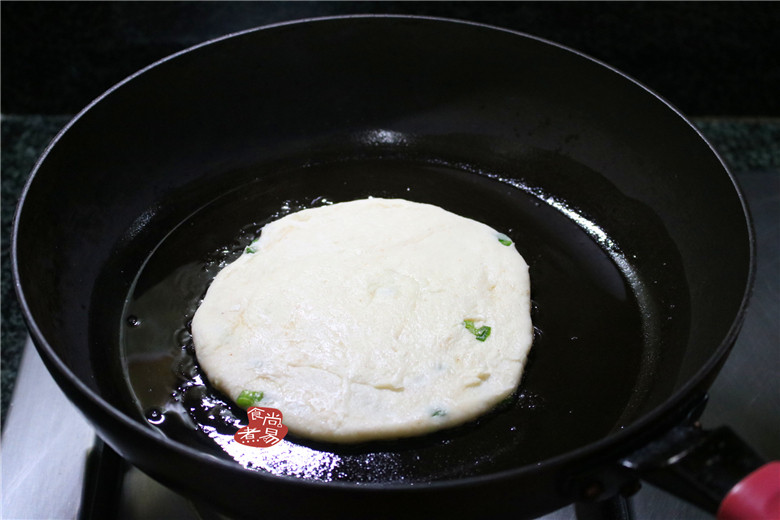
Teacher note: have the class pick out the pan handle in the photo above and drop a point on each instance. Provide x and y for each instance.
(713, 469)
(755, 496)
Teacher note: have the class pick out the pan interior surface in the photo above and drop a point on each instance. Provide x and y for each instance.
(586, 377)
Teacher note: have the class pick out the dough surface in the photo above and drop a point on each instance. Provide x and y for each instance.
(369, 320)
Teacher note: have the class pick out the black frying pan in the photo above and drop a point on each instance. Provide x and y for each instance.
(637, 238)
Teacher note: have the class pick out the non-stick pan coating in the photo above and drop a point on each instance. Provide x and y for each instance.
(616, 202)
(595, 348)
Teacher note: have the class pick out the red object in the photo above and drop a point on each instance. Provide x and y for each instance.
(265, 428)
(755, 497)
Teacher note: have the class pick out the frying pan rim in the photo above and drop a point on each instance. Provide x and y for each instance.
(610, 443)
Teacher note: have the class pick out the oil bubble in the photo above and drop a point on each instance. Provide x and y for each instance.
(133, 321)
(183, 336)
(155, 416)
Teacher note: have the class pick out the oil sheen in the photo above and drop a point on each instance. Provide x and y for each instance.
(584, 309)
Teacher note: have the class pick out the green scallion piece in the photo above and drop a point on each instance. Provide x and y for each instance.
(438, 413)
(504, 239)
(481, 333)
(247, 398)
(249, 249)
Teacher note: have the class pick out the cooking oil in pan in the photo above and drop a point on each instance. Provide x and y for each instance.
(584, 375)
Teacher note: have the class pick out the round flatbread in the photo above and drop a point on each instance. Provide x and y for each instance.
(371, 319)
